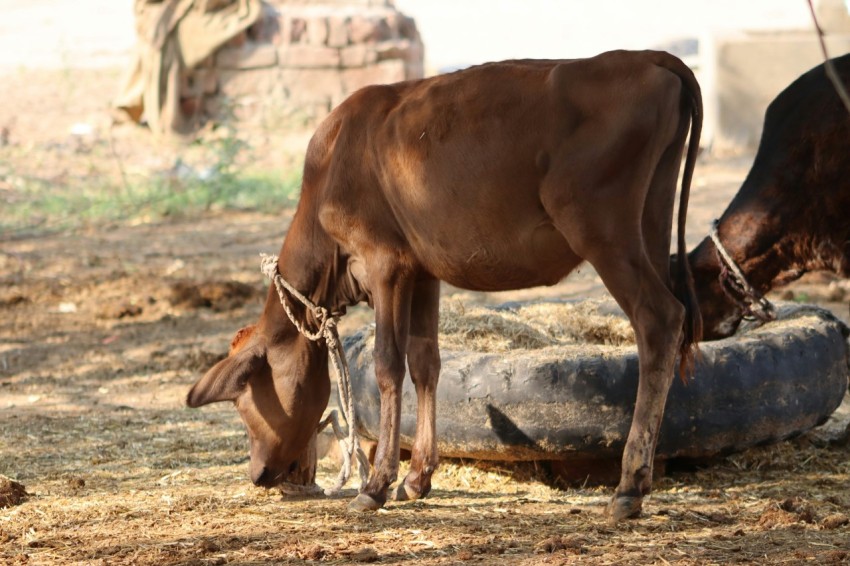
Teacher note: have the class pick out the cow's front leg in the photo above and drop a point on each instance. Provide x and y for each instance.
(392, 297)
(423, 360)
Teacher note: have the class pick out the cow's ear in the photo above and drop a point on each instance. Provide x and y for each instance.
(226, 380)
(241, 339)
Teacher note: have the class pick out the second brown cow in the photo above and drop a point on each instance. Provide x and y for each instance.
(502, 176)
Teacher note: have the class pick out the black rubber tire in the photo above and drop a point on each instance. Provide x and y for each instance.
(759, 386)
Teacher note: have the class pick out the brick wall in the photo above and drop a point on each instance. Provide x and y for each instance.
(302, 59)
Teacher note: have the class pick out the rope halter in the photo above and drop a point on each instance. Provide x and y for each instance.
(327, 330)
(753, 304)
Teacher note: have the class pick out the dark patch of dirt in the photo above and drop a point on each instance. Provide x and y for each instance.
(217, 295)
(11, 492)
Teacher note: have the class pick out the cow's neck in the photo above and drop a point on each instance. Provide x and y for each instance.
(311, 262)
(760, 251)
(766, 254)
(779, 247)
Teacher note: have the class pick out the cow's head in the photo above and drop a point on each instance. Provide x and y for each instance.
(280, 391)
(721, 315)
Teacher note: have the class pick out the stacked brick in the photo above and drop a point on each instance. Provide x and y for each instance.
(303, 58)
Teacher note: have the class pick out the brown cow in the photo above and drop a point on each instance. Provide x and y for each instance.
(792, 214)
(502, 176)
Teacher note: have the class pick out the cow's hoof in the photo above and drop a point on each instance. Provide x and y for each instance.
(623, 507)
(404, 493)
(363, 503)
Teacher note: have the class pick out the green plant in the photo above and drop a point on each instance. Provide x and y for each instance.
(31, 204)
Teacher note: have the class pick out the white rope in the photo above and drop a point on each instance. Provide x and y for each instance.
(345, 446)
(350, 442)
(753, 301)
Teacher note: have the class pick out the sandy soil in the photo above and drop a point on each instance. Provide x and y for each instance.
(102, 331)
(101, 337)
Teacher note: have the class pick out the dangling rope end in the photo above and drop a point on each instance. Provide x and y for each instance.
(349, 446)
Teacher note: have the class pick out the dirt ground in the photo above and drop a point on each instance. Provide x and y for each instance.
(104, 328)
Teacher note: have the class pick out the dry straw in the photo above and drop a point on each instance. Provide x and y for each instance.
(532, 326)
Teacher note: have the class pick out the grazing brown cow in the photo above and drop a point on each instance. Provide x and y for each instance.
(501, 176)
(792, 214)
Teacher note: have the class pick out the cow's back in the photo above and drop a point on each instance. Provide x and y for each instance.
(452, 166)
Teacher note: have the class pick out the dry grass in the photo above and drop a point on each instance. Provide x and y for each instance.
(119, 473)
(169, 487)
(531, 326)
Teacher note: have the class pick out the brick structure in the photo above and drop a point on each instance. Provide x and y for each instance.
(301, 59)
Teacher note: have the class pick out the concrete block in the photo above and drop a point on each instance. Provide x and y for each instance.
(337, 31)
(383, 30)
(305, 57)
(344, 3)
(358, 55)
(401, 26)
(293, 30)
(249, 82)
(416, 54)
(317, 31)
(393, 49)
(362, 29)
(248, 56)
(298, 56)
(369, 28)
(302, 85)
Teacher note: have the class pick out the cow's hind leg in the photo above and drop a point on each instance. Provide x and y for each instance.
(657, 318)
(423, 361)
(392, 296)
(605, 227)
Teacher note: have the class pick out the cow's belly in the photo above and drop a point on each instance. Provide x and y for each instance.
(501, 261)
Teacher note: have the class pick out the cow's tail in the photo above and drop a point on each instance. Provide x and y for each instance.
(684, 283)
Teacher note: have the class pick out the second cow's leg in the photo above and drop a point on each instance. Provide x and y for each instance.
(392, 298)
(423, 360)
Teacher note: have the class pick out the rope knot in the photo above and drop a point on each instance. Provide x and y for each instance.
(322, 315)
(268, 265)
